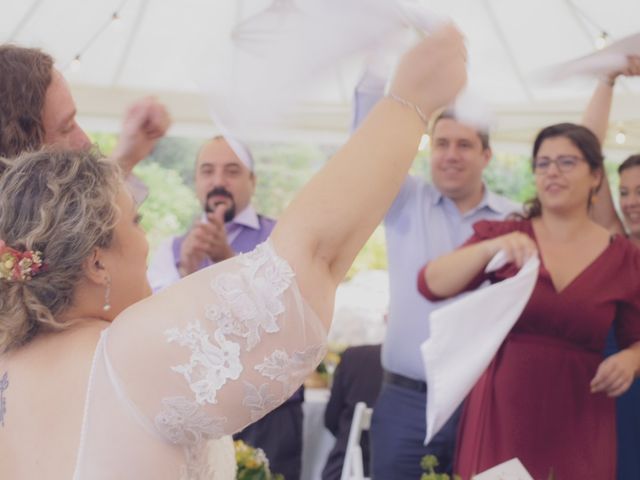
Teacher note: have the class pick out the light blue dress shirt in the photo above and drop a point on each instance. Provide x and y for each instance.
(421, 225)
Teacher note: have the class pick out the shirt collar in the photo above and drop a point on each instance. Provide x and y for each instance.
(489, 200)
(493, 201)
(246, 218)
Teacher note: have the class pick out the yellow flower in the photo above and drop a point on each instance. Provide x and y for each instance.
(332, 357)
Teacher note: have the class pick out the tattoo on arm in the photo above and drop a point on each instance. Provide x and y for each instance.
(4, 384)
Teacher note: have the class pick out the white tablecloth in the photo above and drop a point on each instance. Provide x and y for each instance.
(318, 441)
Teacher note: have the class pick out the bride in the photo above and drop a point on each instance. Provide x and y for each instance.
(99, 380)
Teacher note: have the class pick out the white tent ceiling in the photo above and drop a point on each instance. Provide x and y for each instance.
(150, 49)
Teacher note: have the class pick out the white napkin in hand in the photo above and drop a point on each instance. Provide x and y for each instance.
(252, 93)
(465, 336)
(601, 62)
(470, 108)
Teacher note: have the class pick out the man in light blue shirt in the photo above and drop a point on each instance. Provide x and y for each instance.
(425, 221)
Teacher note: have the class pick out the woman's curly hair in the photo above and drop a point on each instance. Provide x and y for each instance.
(63, 204)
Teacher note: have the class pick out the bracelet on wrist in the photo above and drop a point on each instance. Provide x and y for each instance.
(608, 80)
(409, 104)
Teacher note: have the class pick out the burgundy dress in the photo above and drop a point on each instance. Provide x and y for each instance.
(533, 401)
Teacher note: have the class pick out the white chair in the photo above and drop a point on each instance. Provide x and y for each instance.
(353, 466)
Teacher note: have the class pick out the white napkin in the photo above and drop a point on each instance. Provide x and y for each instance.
(469, 107)
(252, 93)
(610, 58)
(509, 470)
(465, 336)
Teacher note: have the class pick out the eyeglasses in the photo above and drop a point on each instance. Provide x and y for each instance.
(564, 163)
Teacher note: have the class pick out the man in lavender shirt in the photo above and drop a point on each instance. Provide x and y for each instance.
(225, 183)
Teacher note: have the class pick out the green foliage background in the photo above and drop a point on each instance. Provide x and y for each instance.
(281, 170)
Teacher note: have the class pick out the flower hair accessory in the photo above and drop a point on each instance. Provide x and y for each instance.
(19, 266)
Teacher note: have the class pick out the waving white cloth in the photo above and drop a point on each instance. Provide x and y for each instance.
(465, 336)
(253, 91)
(601, 62)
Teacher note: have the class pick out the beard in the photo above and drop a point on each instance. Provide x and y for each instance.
(210, 205)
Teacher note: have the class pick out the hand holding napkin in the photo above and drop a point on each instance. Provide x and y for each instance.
(465, 336)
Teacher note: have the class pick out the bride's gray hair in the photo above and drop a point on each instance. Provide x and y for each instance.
(63, 204)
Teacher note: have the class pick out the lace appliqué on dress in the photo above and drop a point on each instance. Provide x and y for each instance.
(248, 304)
(182, 422)
(290, 370)
(209, 366)
(261, 400)
(249, 301)
(246, 315)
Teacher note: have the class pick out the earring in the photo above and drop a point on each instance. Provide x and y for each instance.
(107, 294)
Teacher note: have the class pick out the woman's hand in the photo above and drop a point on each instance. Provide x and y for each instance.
(615, 374)
(518, 247)
(431, 74)
(631, 69)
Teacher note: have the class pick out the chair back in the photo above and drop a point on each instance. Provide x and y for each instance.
(353, 466)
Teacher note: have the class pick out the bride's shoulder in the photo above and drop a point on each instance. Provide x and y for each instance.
(44, 382)
(72, 346)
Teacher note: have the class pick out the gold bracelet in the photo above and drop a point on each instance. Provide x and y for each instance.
(409, 104)
(607, 80)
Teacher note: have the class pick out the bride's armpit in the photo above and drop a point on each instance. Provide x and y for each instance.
(4, 384)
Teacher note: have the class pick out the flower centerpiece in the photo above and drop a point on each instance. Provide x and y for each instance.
(322, 377)
(253, 463)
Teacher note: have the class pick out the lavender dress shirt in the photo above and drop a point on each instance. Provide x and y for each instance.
(245, 232)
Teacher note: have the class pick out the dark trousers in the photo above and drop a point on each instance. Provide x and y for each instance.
(279, 434)
(628, 420)
(398, 430)
(628, 423)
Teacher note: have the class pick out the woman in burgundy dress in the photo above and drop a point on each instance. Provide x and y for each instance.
(546, 398)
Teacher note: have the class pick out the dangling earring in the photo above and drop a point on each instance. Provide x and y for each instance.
(107, 294)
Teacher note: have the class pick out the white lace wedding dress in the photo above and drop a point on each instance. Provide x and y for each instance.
(221, 459)
(199, 360)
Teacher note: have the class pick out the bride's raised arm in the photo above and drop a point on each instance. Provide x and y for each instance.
(224, 346)
(328, 222)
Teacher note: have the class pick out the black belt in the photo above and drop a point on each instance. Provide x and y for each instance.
(404, 382)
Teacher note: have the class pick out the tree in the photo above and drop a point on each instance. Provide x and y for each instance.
(281, 170)
(178, 154)
(511, 175)
(170, 207)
